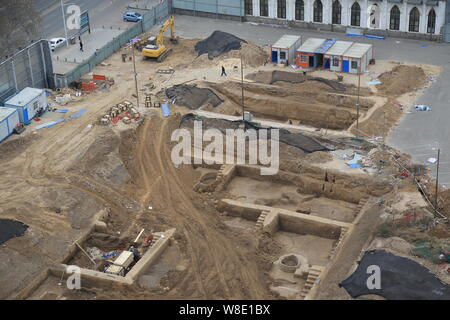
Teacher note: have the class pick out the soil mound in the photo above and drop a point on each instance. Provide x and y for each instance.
(193, 97)
(270, 77)
(400, 80)
(218, 43)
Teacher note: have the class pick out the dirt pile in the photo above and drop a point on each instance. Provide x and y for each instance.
(271, 77)
(400, 80)
(252, 55)
(192, 97)
(218, 43)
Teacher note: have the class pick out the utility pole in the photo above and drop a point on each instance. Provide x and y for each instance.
(135, 76)
(242, 87)
(357, 103)
(437, 185)
(64, 23)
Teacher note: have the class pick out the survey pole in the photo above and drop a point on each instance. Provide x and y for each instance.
(437, 185)
(64, 23)
(242, 88)
(357, 103)
(135, 76)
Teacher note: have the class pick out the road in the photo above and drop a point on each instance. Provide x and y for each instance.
(106, 13)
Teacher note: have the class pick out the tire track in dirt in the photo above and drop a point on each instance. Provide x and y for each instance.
(216, 263)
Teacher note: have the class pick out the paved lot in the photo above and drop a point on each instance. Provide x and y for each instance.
(418, 132)
(107, 13)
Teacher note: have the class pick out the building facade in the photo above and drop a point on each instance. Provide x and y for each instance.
(402, 16)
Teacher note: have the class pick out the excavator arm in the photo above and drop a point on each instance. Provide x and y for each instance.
(157, 50)
(170, 23)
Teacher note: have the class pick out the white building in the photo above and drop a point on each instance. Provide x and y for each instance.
(415, 16)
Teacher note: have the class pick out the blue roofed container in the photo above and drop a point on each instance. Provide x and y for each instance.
(9, 119)
(28, 103)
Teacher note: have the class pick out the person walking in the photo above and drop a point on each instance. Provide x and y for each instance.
(223, 72)
(81, 46)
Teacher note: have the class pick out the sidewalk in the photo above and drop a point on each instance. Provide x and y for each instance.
(143, 4)
(91, 42)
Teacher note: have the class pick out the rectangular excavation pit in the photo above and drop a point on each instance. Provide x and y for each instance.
(46, 287)
(286, 191)
(310, 107)
(304, 230)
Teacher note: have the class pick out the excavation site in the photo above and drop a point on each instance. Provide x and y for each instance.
(98, 188)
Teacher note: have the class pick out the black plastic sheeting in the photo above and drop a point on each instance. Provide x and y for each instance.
(218, 43)
(11, 229)
(298, 140)
(192, 96)
(401, 279)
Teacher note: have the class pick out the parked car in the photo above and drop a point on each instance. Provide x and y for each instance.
(132, 16)
(57, 42)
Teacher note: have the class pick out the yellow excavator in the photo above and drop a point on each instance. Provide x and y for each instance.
(155, 48)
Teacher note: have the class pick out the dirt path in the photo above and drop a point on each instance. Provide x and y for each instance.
(219, 267)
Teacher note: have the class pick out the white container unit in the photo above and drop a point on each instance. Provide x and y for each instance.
(356, 59)
(283, 51)
(9, 119)
(334, 55)
(28, 103)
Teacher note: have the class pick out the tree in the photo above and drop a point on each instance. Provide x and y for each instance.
(19, 24)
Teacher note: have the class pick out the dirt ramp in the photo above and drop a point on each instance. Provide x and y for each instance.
(270, 77)
(218, 43)
(193, 97)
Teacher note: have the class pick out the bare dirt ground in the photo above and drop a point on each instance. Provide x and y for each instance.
(55, 180)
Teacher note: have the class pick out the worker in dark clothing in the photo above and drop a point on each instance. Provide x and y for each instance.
(223, 72)
(81, 46)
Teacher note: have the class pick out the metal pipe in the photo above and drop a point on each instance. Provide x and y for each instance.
(64, 23)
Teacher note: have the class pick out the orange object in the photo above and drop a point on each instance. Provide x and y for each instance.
(98, 77)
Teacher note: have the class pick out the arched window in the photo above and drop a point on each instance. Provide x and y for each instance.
(281, 9)
(336, 12)
(264, 8)
(414, 19)
(249, 7)
(299, 10)
(317, 12)
(356, 15)
(431, 24)
(394, 23)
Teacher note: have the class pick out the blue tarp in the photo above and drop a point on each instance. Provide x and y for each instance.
(364, 36)
(49, 124)
(325, 46)
(62, 110)
(165, 110)
(78, 113)
(355, 162)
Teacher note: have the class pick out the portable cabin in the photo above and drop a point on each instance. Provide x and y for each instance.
(356, 59)
(320, 53)
(9, 119)
(334, 55)
(306, 57)
(28, 102)
(283, 51)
